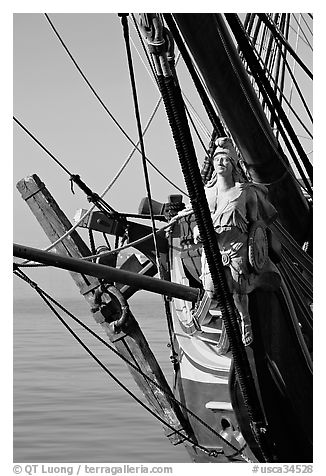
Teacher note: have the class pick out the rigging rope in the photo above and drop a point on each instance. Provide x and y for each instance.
(105, 107)
(293, 66)
(270, 52)
(297, 87)
(306, 23)
(263, 39)
(298, 22)
(97, 360)
(109, 186)
(43, 147)
(276, 86)
(271, 25)
(144, 48)
(197, 118)
(282, 96)
(215, 120)
(288, 102)
(93, 197)
(47, 298)
(124, 21)
(304, 259)
(180, 129)
(279, 58)
(115, 178)
(256, 69)
(107, 253)
(135, 145)
(282, 80)
(297, 278)
(154, 79)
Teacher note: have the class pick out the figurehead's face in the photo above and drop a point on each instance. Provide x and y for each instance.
(223, 164)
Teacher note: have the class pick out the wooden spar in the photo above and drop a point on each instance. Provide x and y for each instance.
(231, 91)
(129, 341)
(108, 273)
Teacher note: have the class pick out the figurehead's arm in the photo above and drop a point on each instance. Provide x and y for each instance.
(252, 205)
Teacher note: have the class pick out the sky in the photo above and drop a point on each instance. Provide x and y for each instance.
(52, 100)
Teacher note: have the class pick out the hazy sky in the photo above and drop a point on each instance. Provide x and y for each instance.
(52, 100)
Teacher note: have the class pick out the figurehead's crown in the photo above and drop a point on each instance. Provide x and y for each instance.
(224, 146)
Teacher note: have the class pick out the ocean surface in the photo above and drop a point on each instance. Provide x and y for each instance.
(66, 408)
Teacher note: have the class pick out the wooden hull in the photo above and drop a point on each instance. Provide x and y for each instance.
(202, 382)
(279, 361)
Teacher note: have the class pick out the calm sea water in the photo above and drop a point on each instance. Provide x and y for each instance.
(66, 408)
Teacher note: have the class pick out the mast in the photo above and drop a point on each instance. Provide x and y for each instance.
(231, 91)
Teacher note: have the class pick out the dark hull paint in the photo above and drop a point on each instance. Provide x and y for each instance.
(218, 61)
